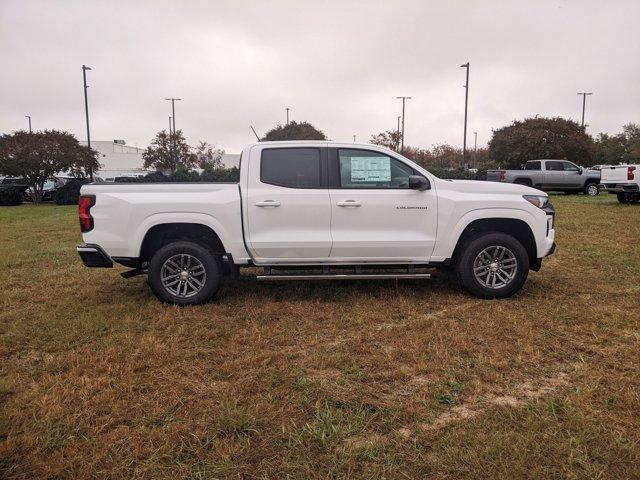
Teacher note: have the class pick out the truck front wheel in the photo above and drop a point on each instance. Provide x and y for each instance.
(591, 189)
(184, 273)
(493, 265)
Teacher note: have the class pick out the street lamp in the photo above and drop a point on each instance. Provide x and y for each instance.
(173, 111)
(287, 109)
(402, 137)
(29, 117)
(86, 111)
(584, 102)
(466, 103)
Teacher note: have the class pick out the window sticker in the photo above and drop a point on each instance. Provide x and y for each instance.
(370, 169)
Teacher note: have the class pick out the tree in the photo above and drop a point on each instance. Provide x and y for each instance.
(294, 131)
(621, 148)
(389, 139)
(535, 138)
(209, 157)
(168, 152)
(38, 156)
(631, 132)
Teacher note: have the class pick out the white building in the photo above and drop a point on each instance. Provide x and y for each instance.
(117, 159)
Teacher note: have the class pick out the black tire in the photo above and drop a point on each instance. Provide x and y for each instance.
(622, 198)
(591, 189)
(198, 253)
(473, 248)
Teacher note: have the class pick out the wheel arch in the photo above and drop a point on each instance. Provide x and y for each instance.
(162, 234)
(523, 181)
(517, 228)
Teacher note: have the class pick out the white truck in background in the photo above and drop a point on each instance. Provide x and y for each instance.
(622, 181)
(317, 210)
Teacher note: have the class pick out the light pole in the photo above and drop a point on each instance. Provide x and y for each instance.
(29, 117)
(287, 109)
(169, 124)
(354, 139)
(173, 111)
(86, 111)
(402, 137)
(584, 102)
(398, 142)
(466, 103)
(475, 148)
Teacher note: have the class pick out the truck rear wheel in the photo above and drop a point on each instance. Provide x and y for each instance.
(184, 273)
(493, 265)
(622, 198)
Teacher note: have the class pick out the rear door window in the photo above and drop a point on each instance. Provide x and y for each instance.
(291, 167)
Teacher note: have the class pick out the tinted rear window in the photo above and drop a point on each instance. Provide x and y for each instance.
(291, 167)
(532, 166)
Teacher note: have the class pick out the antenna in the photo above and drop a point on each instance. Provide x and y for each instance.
(254, 132)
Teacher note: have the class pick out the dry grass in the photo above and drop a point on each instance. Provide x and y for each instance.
(365, 379)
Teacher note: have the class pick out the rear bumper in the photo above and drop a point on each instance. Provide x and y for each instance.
(621, 187)
(94, 256)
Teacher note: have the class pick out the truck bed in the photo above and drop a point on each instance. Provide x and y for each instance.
(124, 212)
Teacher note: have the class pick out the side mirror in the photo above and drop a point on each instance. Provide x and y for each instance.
(418, 182)
(581, 170)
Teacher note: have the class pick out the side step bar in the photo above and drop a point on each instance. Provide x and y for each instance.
(344, 276)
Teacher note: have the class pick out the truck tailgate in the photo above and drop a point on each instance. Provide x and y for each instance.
(614, 174)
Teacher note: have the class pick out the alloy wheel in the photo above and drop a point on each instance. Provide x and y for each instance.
(183, 275)
(495, 266)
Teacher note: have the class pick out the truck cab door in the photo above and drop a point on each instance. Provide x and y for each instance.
(572, 175)
(287, 204)
(375, 216)
(554, 177)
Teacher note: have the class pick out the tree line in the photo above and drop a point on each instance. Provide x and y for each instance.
(530, 139)
(39, 156)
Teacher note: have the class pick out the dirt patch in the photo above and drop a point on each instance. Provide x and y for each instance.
(523, 393)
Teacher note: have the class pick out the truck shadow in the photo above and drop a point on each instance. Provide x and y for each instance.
(334, 290)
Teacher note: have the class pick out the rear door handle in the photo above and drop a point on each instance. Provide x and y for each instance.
(268, 203)
(349, 203)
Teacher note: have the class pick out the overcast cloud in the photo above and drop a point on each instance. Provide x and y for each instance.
(339, 65)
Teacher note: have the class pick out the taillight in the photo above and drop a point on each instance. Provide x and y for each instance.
(85, 202)
(630, 174)
(503, 174)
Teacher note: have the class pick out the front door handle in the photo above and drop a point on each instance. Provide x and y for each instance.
(349, 203)
(268, 203)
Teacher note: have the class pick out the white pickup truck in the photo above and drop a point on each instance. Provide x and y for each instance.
(622, 181)
(317, 210)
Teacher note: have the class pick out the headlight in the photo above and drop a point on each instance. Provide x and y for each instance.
(539, 201)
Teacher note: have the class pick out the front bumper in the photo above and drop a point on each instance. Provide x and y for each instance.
(94, 256)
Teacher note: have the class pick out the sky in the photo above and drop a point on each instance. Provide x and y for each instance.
(339, 65)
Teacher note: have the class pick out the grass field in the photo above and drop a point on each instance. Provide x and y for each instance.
(412, 379)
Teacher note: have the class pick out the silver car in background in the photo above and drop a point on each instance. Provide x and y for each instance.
(551, 175)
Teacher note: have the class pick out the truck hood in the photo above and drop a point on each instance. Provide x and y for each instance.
(478, 186)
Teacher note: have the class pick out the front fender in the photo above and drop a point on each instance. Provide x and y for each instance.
(446, 243)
